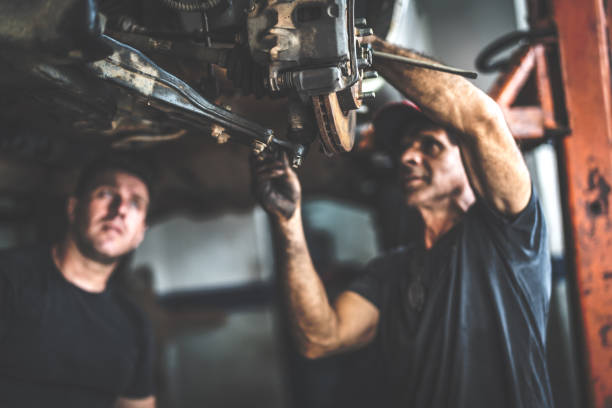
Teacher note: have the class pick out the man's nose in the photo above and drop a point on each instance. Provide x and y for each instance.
(118, 206)
(411, 156)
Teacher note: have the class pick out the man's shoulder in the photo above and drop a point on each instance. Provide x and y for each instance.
(134, 312)
(23, 261)
(483, 212)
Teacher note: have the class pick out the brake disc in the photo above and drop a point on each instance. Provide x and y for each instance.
(336, 126)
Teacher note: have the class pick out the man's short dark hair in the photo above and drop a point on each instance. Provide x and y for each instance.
(126, 163)
(391, 119)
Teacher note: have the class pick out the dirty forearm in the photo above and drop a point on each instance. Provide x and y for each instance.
(313, 319)
(491, 157)
(452, 100)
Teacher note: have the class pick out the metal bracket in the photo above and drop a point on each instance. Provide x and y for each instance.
(131, 69)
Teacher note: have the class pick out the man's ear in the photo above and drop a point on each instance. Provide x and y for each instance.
(71, 208)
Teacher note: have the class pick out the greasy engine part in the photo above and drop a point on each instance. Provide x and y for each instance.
(298, 48)
(62, 32)
(131, 69)
(311, 48)
(191, 5)
(336, 127)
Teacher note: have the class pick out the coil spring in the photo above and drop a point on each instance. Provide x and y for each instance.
(194, 5)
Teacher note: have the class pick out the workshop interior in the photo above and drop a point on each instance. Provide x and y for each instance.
(197, 87)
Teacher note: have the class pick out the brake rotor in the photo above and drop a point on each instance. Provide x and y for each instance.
(336, 126)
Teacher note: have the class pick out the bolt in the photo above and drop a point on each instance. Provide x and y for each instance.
(298, 156)
(258, 147)
(219, 133)
(367, 96)
(363, 63)
(363, 32)
(370, 75)
(297, 161)
(269, 135)
(361, 23)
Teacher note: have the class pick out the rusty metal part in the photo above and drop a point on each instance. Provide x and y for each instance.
(258, 147)
(424, 64)
(186, 5)
(508, 85)
(585, 63)
(183, 49)
(309, 47)
(143, 139)
(219, 134)
(536, 120)
(485, 61)
(336, 127)
(350, 98)
(129, 68)
(55, 32)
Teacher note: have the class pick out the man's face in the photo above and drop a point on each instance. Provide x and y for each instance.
(110, 220)
(430, 164)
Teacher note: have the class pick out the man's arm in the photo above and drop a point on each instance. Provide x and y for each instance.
(319, 328)
(492, 159)
(148, 402)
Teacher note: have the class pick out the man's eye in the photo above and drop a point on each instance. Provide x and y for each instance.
(136, 204)
(105, 193)
(431, 148)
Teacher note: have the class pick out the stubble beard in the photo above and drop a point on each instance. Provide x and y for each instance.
(88, 249)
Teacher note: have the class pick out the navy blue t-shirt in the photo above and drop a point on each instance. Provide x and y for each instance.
(61, 346)
(463, 324)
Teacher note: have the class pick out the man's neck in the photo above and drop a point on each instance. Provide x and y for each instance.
(442, 216)
(83, 272)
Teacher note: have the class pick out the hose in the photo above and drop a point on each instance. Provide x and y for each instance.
(485, 60)
(191, 5)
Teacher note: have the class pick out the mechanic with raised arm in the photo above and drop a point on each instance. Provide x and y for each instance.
(67, 339)
(459, 318)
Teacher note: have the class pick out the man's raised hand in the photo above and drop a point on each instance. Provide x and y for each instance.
(275, 184)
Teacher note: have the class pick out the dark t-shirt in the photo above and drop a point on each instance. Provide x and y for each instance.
(463, 324)
(61, 346)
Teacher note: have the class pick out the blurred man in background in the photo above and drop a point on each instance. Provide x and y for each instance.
(67, 339)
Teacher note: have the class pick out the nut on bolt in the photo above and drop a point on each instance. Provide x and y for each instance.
(298, 156)
(361, 22)
(258, 147)
(367, 96)
(364, 32)
(297, 161)
(219, 133)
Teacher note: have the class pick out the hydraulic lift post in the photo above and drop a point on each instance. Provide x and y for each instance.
(584, 47)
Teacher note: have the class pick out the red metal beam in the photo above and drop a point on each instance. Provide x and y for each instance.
(508, 85)
(544, 87)
(532, 121)
(585, 69)
(525, 122)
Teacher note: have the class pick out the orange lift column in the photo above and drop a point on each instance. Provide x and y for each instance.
(585, 66)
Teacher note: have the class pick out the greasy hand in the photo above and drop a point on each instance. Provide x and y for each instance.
(275, 184)
(373, 39)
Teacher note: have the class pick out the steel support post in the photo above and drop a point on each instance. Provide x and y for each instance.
(585, 65)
